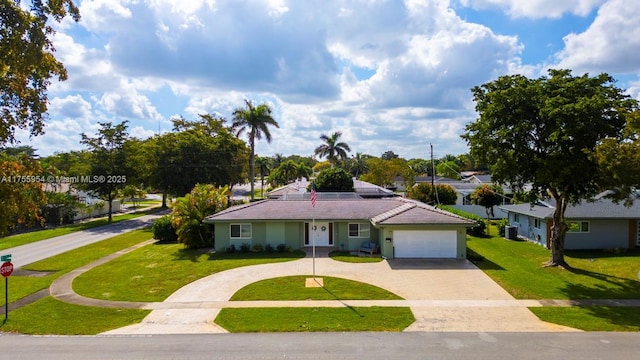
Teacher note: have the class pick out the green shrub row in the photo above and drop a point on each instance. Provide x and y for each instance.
(479, 230)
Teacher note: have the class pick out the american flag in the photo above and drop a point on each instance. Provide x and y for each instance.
(313, 194)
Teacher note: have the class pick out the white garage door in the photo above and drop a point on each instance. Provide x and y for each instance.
(425, 244)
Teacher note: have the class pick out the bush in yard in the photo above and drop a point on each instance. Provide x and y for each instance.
(257, 248)
(269, 248)
(163, 231)
(245, 248)
(282, 248)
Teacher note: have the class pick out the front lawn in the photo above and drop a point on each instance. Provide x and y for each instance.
(347, 256)
(293, 288)
(47, 270)
(154, 272)
(315, 319)
(517, 267)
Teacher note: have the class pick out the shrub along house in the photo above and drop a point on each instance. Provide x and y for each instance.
(600, 224)
(400, 228)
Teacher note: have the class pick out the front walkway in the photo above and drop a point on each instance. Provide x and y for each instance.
(444, 295)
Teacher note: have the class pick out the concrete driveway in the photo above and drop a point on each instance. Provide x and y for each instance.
(444, 295)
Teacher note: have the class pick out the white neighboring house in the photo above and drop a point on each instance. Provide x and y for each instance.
(92, 206)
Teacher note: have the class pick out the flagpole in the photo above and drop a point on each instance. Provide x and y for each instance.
(313, 225)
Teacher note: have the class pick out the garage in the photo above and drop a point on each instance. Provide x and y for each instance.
(425, 243)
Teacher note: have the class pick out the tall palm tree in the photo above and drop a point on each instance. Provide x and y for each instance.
(255, 120)
(332, 149)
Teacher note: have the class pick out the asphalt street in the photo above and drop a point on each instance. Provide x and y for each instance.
(40, 250)
(362, 345)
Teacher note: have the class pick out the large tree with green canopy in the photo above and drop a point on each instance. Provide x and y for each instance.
(27, 63)
(540, 135)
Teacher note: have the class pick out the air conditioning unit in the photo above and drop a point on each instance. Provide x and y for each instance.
(511, 232)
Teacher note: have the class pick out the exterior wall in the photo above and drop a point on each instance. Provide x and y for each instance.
(385, 238)
(603, 234)
(289, 233)
(342, 240)
(526, 228)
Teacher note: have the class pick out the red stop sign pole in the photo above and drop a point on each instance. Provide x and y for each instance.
(6, 269)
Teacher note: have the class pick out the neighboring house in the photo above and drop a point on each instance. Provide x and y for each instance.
(88, 206)
(401, 228)
(600, 224)
(362, 188)
(464, 188)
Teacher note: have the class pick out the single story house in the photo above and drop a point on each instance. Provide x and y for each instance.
(399, 227)
(600, 224)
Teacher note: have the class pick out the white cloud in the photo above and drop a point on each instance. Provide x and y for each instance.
(610, 44)
(537, 8)
(73, 106)
(128, 103)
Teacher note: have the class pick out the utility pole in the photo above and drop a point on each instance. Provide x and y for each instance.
(433, 169)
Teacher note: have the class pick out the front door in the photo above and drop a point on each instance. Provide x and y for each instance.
(320, 231)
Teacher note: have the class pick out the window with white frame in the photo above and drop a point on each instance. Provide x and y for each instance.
(240, 231)
(361, 230)
(578, 226)
(516, 217)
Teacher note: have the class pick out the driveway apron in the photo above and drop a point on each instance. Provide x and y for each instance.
(444, 295)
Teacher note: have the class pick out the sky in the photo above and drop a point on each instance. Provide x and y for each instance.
(390, 75)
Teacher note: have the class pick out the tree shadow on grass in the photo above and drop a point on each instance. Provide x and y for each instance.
(336, 297)
(606, 287)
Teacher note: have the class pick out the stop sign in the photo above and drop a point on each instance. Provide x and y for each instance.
(6, 269)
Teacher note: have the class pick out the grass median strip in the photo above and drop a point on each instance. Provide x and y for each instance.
(50, 316)
(315, 319)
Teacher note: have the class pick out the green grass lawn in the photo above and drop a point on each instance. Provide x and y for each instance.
(346, 256)
(56, 266)
(315, 319)
(154, 272)
(517, 267)
(38, 235)
(50, 316)
(293, 288)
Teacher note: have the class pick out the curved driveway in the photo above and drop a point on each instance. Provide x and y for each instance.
(444, 295)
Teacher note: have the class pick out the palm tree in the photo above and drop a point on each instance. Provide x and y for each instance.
(255, 120)
(358, 164)
(332, 149)
(189, 211)
(263, 164)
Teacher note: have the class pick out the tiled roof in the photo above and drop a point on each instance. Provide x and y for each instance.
(378, 211)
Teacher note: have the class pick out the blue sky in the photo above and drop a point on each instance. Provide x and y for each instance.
(390, 75)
